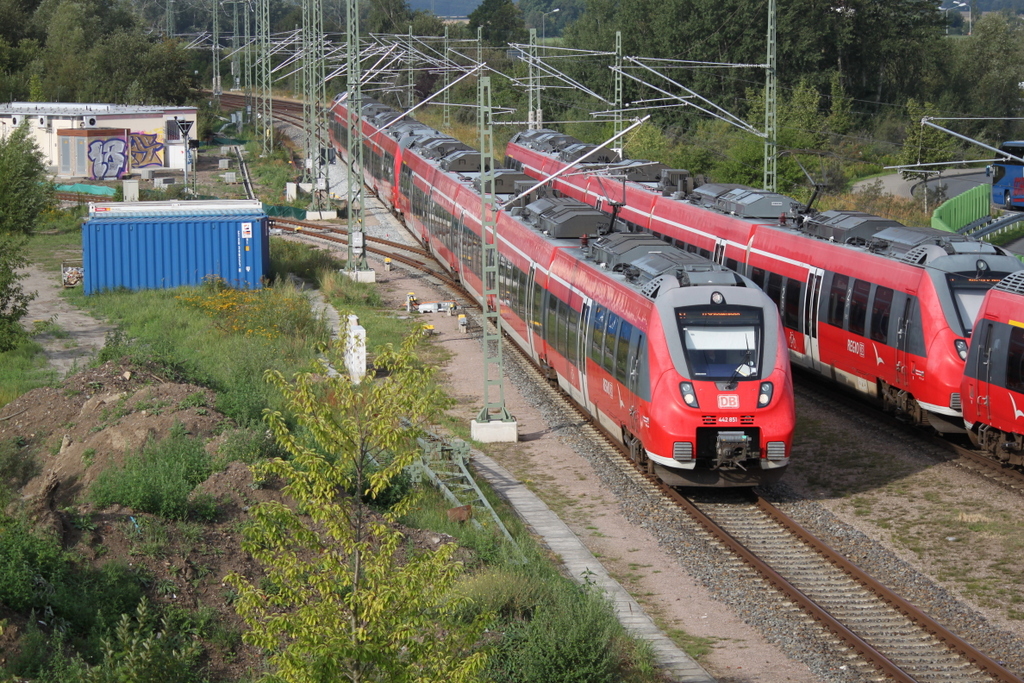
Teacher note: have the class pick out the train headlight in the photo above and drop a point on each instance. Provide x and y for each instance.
(961, 348)
(764, 395)
(689, 397)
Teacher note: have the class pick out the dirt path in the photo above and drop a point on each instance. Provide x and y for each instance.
(74, 337)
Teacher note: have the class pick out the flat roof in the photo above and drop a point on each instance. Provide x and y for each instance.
(79, 109)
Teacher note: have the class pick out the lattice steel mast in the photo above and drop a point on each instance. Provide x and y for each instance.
(771, 122)
(264, 84)
(618, 84)
(216, 52)
(494, 368)
(354, 101)
(314, 94)
(447, 106)
(533, 84)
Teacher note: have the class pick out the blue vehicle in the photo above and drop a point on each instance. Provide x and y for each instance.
(1008, 177)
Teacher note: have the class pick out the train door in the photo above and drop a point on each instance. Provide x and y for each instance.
(531, 314)
(812, 297)
(979, 377)
(903, 342)
(719, 257)
(633, 383)
(582, 344)
(460, 246)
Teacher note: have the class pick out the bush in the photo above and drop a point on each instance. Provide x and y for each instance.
(248, 445)
(159, 478)
(572, 640)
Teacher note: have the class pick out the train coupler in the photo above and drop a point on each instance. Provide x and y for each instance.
(731, 449)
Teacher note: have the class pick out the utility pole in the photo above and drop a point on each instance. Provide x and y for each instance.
(410, 81)
(771, 121)
(247, 64)
(314, 93)
(494, 423)
(264, 85)
(355, 266)
(216, 53)
(447, 106)
(234, 45)
(618, 86)
(169, 19)
(533, 85)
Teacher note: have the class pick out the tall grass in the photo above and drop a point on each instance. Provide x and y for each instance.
(228, 349)
(874, 200)
(300, 259)
(159, 478)
(22, 369)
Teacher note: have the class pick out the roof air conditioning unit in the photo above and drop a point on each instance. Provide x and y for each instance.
(88, 122)
(16, 120)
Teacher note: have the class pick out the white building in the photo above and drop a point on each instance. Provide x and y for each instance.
(103, 141)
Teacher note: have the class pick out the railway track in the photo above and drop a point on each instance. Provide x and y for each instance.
(387, 249)
(885, 635)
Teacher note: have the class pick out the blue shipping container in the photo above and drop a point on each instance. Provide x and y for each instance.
(159, 252)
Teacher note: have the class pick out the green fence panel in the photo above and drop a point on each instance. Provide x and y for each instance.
(82, 188)
(284, 211)
(963, 209)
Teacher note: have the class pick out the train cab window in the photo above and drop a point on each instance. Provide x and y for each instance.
(968, 290)
(622, 351)
(610, 335)
(722, 343)
(793, 294)
(837, 299)
(881, 306)
(859, 306)
(1015, 361)
(774, 289)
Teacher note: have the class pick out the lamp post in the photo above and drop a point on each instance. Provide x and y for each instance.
(970, 14)
(543, 32)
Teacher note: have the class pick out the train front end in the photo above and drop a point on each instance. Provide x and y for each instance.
(722, 410)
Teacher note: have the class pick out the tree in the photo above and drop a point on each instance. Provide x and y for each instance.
(924, 144)
(337, 603)
(13, 299)
(24, 190)
(501, 20)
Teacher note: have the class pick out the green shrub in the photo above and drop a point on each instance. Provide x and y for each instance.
(158, 479)
(247, 445)
(303, 260)
(571, 640)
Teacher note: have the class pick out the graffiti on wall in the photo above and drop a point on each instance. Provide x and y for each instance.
(145, 150)
(108, 158)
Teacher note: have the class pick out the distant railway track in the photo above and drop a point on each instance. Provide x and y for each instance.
(336, 235)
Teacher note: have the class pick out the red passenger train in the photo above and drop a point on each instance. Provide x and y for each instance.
(993, 383)
(681, 358)
(866, 302)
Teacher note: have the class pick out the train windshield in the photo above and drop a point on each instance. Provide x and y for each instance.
(968, 290)
(721, 342)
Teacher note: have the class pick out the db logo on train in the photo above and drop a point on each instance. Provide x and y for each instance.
(728, 401)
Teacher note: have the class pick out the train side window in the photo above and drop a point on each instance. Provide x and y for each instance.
(551, 321)
(757, 275)
(859, 306)
(880, 309)
(732, 264)
(572, 329)
(837, 299)
(622, 352)
(597, 339)
(609, 343)
(1015, 361)
(794, 294)
(644, 379)
(563, 328)
(774, 289)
